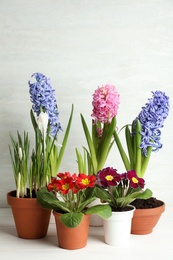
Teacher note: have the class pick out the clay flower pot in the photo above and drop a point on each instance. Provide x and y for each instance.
(144, 220)
(30, 218)
(72, 238)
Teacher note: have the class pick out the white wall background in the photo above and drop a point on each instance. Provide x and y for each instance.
(81, 45)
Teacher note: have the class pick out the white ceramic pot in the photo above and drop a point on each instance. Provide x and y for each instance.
(95, 220)
(117, 228)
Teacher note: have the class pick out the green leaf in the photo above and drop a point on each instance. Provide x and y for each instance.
(122, 152)
(71, 219)
(102, 194)
(90, 144)
(95, 138)
(138, 149)
(48, 200)
(142, 195)
(105, 142)
(79, 161)
(103, 210)
(123, 201)
(129, 146)
(62, 150)
(33, 120)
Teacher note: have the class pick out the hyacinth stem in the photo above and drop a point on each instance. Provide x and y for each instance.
(145, 161)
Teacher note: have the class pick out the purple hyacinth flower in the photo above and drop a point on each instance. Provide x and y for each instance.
(152, 119)
(43, 98)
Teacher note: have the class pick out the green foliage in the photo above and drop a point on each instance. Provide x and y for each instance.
(72, 214)
(94, 157)
(133, 159)
(19, 152)
(35, 169)
(116, 199)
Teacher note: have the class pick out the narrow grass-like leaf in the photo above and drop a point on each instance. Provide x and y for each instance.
(122, 152)
(62, 149)
(80, 161)
(129, 146)
(104, 145)
(90, 144)
(138, 158)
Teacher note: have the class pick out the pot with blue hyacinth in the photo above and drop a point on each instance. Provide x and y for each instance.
(143, 137)
(33, 169)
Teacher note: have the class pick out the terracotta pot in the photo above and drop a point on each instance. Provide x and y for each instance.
(117, 227)
(72, 238)
(144, 220)
(30, 218)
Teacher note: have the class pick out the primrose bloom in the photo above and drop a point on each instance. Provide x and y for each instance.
(52, 185)
(152, 119)
(135, 181)
(106, 100)
(43, 98)
(108, 177)
(83, 181)
(63, 185)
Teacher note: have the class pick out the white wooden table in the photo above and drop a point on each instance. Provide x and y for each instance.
(157, 245)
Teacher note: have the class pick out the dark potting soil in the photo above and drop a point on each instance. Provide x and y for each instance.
(148, 203)
(127, 208)
(13, 193)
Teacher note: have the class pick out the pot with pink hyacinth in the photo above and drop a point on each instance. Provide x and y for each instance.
(106, 100)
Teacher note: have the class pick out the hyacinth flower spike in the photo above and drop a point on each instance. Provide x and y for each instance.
(144, 134)
(43, 99)
(105, 103)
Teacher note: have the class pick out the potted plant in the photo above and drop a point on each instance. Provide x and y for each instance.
(119, 190)
(143, 137)
(105, 103)
(33, 170)
(69, 195)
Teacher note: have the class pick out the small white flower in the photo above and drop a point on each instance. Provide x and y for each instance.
(20, 153)
(42, 122)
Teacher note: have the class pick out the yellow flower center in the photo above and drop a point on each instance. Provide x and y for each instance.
(65, 186)
(85, 181)
(109, 177)
(134, 180)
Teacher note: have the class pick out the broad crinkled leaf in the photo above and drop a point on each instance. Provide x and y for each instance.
(48, 200)
(102, 194)
(104, 211)
(71, 219)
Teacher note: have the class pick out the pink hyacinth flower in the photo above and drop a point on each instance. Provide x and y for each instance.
(106, 100)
